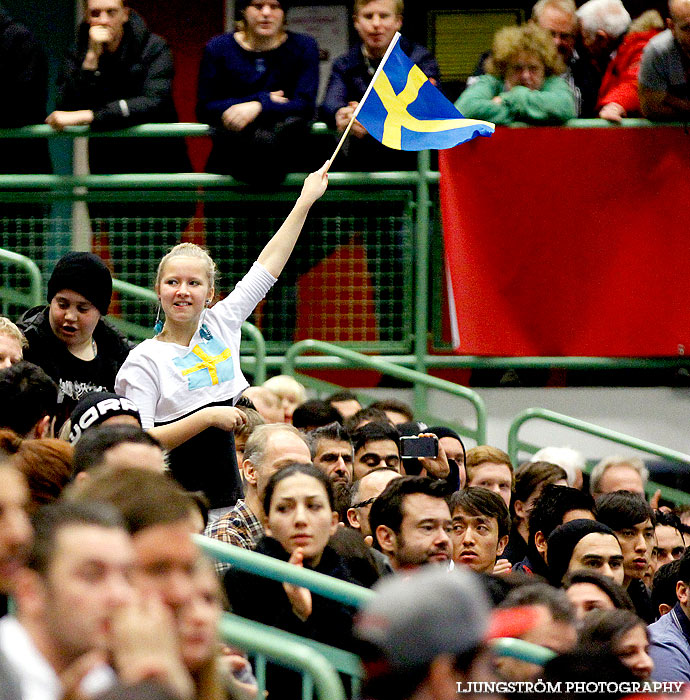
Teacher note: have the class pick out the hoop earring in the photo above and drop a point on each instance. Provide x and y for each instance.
(158, 325)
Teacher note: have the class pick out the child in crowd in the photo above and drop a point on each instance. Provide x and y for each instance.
(290, 392)
(12, 343)
(69, 339)
(187, 379)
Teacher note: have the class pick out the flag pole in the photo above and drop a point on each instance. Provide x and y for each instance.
(391, 46)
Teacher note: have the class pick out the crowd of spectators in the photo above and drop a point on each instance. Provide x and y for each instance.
(111, 598)
(258, 85)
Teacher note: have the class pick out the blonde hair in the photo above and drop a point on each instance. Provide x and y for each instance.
(483, 454)
(188, 250)
(283, 384)
(361, 4)
(10, 329)
(510, 41)
(648, 20)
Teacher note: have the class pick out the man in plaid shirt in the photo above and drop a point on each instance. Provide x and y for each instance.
(268, 448)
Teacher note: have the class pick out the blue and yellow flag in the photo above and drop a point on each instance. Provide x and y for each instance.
(404, 110)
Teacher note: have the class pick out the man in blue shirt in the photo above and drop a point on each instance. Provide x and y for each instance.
(670, 634)
(376, 22)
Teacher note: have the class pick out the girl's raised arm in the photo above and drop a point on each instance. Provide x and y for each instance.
(277, 251)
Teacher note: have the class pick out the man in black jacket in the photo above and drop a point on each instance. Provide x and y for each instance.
(119, 75)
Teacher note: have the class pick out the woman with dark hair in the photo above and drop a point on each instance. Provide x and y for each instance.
(621, 632)
(530, 479)
(298, 501)
(589, 590)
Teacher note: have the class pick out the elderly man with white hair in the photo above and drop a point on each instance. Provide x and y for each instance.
(603, 24)
(571, 461)
(616, 473)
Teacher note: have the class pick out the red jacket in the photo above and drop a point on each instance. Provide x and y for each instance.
(620, 80)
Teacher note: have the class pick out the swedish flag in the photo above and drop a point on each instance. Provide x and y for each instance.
(403, 110)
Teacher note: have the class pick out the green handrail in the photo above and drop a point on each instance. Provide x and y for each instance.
(193, 129)
(262, 640)
(372, 362)
(184, 185)
(515, 445)
(35, 294)
(519, 649)
(246, 560)
(343, 661)
(257, 364)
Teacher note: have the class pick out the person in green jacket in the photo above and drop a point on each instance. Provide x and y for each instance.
(522, 83)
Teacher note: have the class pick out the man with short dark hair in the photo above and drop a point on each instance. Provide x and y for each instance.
(375, 445)
(332, 453)
(269, 448)
(363, 493)
(78, 578)
(411, 522)
(28, 400)
(555, 506)
(397, 411)
(117, 446)
(345, 402)
(313, 414)
(481, 526)
(670, 543)
(670, 635)
(633, 521)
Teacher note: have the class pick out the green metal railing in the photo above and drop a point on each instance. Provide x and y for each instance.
(246, 560)
(350, 358)
(276, 570)
(34, 294)
(515, 445)
(266, 643)
(185, 185)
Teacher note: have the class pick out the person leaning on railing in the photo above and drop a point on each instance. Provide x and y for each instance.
(119, 75)
(258, 87)
(522, 83)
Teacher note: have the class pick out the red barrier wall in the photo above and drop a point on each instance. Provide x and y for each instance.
(570, 241)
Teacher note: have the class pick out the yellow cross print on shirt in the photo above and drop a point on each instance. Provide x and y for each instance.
(396, 105)
(208, 362)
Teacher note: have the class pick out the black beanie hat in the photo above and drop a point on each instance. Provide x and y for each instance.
(563, 540)
(86, 274)
(97, 407)
(241, 5)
